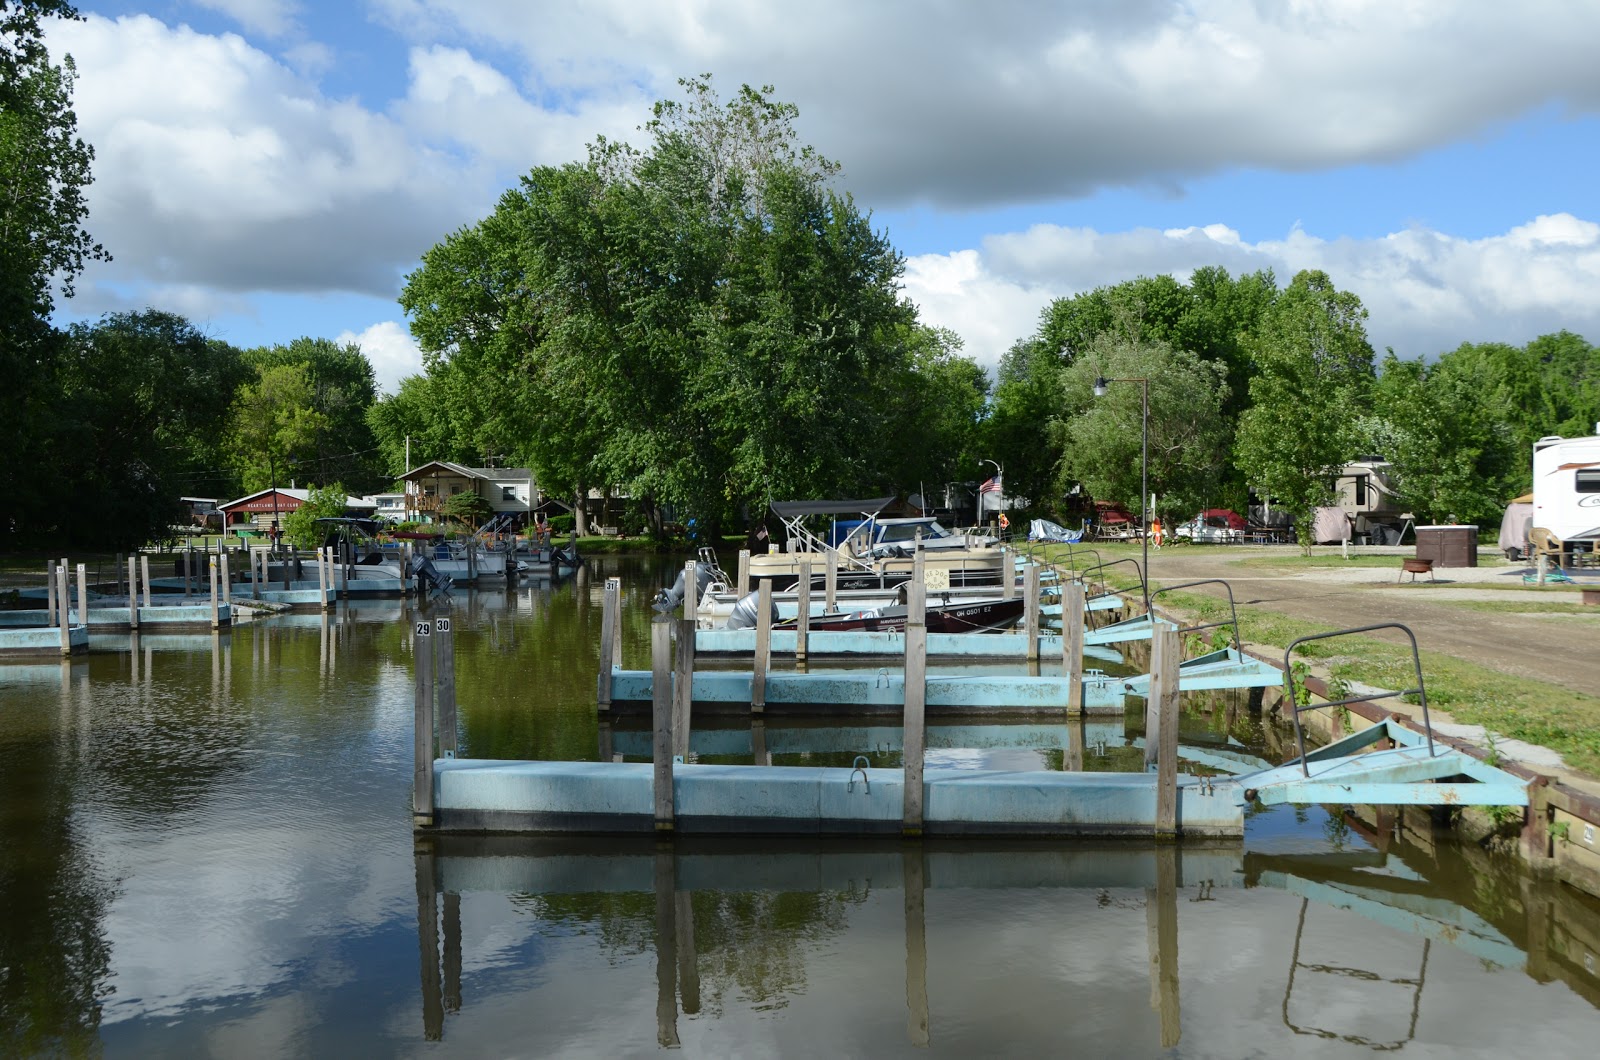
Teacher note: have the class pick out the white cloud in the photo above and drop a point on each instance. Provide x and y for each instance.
(971, 104)
(392, 351)
(217, 165)
(271, 18)
(1426, 291)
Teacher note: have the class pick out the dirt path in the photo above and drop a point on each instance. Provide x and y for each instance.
(1563, 649)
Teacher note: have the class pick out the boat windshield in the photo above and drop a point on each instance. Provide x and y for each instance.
(907, 530)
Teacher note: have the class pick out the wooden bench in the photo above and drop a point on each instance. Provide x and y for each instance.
(1414, 567)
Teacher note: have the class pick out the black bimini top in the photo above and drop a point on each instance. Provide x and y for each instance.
(800, 509)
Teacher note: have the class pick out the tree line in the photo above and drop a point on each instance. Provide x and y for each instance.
(703, 324)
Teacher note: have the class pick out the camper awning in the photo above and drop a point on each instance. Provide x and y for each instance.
(801, 509)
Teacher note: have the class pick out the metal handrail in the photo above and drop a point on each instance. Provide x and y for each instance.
(1237, 646)
(1420, 691)
(1112, 563)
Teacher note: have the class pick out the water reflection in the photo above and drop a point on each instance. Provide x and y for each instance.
(204, 847)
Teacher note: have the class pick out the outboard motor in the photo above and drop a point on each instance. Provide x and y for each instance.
(671, 599)
(747, 612)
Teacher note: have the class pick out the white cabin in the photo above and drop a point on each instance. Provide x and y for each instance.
(1566, 487)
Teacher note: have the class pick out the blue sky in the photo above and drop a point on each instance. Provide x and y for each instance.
(273, 168)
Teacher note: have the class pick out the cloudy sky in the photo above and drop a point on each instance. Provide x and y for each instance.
(274, 168)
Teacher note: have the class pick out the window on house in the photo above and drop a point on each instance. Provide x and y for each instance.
(508, 493)
(1588, 480)
(454, 490)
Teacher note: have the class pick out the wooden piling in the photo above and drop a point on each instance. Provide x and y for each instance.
(144, 579)
(1072, 644)
(444, 646)
(1166, 654)
(51, 613)
(322, 580)
(914, 740)
(608, 624)
(211, 575)
(763, 655)
(83, 594)
(830, 585)
(802, 626)
(227, 583)
(66, 616)
(661, 717)
(1008, 574)
(1030, 609)
(683, 679)
(133, 594)
(422, 766)
(743, 587)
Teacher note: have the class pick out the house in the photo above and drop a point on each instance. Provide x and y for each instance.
(263, 508)
(390, 507)
(507, 490)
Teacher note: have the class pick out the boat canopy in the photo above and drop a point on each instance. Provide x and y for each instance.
(788, 510)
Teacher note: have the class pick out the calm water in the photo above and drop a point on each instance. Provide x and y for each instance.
(209, 852)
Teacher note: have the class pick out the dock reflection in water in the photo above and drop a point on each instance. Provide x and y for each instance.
(205, 848)
(795, 948)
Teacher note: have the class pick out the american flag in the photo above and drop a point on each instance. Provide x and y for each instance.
(990, 485)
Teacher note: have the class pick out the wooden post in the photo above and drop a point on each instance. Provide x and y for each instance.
(63, 595)
(914, 739)
(1030, 609)
(1072, 644)
(802, 626)
(758, 675)
(683, 679)
(344, 575)
(227, 583)
(743, 588)
(422, 766)
(83, 595)
(661, 716)
(322, 580)
(445, 647)
(255, 577)
(608, 624)
(1165, 657)
(1008, 574)
(211, 574)
(144, 579)
(133, 593)
(830, 585)
(51, 615)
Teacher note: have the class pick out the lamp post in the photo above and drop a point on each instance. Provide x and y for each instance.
(1101, 387)
(999, 478)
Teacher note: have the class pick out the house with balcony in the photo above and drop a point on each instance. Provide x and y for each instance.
(507, 490)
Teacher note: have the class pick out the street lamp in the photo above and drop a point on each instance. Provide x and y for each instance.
(1101, 388)
(999, 479)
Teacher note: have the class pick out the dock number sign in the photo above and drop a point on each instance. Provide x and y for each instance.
(441, 625)
(424, 629)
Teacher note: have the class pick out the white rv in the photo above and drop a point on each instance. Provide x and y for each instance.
(1566, 492)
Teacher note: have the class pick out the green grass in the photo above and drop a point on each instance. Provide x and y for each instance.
(1292, 559)
(1524, 607)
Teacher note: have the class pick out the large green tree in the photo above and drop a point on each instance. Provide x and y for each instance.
(704, 323)
(44, 171)
(1102, 438)
(339, 391)
(1314, 376)
(1446, 430)
(275, 426)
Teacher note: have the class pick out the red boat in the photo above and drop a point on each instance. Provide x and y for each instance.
(978, 616)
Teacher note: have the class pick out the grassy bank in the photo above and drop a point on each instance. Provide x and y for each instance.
(1516, 707)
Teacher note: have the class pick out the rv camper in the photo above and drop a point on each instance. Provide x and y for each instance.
(1365, 495)
(1566, 496)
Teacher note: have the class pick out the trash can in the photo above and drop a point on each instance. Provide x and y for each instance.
(1448, 546)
